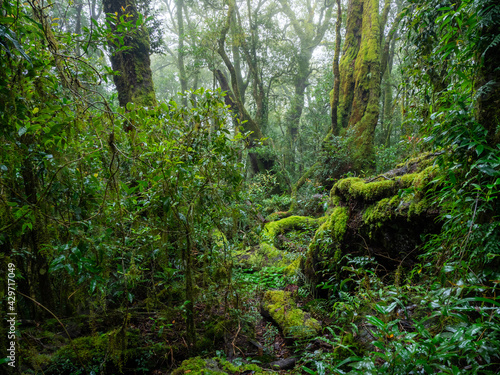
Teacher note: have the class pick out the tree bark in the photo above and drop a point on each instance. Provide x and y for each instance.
(336, 73)
(361, 68)
(134, 81)
(488, 82)
(180, 52)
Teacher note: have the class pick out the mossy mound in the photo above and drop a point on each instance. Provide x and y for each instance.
(278, 247)
(383, 218)
(274, 228)
(214, 366)
(294, 322)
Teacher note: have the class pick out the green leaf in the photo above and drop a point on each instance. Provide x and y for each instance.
(481, 299)
(479, 149)
(376, 322)
(10, 35)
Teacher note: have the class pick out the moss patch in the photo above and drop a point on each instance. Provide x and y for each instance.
(355, 188)
(272, 229)
(283, 310)
(331, 231)
(212, 366)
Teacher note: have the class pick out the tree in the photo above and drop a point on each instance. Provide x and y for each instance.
(361, 69)
(129, 53)
(259, 163)
(336, 73)
(310, 35)
(453, 69)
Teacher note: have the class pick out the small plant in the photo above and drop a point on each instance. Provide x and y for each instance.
(269, 336)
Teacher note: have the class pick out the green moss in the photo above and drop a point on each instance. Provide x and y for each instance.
(213, 366)
(338, 220)
(267, 254)
(423, 161)
(196, 366)
(357, 188)
(272, 229)
(233, 369)
(381, 211)
(219, 238)
(89, 349)
(331, 231)
(293, 321)
(373, 190)
(418, 207)
(291, 269)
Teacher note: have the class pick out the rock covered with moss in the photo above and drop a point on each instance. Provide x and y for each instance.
(294, 322)
(383, 218)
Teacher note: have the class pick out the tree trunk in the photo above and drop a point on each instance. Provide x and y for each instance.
(39, 281)
(258, 162)
(78, 25)
(336, 73)
(488, 101)
(134, 81)
(180, 52)
(360, 74)
(310, 35)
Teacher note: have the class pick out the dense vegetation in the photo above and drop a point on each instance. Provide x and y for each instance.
(229, 187)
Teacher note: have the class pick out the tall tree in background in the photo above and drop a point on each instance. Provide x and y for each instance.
(259, 163)
(180, 53)
(130, 54)
(310, 34)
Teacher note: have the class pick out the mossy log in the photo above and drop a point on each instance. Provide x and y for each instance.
(383, 218)
(269, 252)
(282, 309)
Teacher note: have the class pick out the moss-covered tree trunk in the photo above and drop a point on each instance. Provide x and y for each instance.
(352, 42)
(134, 81)
(360, 75)
(363, 63)
(334, 99)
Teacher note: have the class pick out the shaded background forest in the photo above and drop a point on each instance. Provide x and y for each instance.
(149, 148)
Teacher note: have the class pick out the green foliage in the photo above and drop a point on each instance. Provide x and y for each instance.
(337, 158)
(454, 45)
(386, 158)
